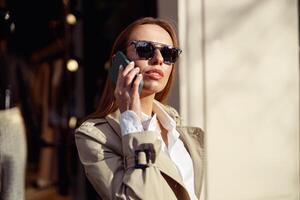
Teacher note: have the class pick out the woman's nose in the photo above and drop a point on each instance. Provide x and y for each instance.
(157, 57)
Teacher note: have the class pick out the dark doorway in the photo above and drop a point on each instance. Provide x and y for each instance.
(42, 36)
(104, 19)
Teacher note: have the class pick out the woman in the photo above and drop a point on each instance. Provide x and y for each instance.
(133, 146)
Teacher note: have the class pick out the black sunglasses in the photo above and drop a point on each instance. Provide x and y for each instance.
(146, 50)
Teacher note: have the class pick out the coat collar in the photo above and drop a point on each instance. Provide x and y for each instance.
(191, 137)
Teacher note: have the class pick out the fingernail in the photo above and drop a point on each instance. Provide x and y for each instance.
(131, 62)
(120, 67)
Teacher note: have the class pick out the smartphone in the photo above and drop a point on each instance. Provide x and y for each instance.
(121, 59)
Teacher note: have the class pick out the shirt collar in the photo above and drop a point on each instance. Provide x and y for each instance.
(165, 119)
(167, 122)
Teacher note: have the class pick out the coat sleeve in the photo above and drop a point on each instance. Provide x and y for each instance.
(127, 172)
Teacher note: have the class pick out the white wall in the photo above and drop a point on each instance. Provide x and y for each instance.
(252, 94)
(239, 80)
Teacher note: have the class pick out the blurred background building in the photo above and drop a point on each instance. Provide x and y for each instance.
(238, 79)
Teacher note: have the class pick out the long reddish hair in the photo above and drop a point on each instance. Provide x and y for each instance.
(108, 102)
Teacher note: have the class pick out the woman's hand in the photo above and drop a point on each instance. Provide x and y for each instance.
(127, 86)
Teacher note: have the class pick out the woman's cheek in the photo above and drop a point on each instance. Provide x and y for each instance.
(168, 71)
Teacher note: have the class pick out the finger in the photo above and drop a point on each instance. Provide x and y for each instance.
(130, 76)
(136, 83)
(128, 68)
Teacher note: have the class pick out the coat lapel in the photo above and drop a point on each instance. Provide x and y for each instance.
(170, 172)
(193, 139)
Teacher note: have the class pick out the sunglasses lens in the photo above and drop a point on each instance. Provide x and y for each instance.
(170, 55)
(144, 49)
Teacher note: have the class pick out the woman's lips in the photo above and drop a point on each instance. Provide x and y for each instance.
(155, 74)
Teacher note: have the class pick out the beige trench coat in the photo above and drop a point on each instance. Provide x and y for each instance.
(132, 166)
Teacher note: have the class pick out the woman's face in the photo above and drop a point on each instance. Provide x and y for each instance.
(155, 72)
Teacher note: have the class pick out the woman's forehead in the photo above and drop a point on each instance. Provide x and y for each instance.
(151, 32)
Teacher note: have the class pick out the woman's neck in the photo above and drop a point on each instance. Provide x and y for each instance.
(147, 104)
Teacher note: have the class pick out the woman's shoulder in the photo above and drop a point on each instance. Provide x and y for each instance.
(172, 112)
(93, 122)
(176, 116)
(92, 127)
(97, 133)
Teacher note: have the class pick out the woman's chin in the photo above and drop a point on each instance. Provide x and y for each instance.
(150, 90)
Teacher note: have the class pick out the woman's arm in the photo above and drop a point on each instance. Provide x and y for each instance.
(122, 170)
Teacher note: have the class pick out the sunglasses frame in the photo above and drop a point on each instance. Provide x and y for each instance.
(156, 45)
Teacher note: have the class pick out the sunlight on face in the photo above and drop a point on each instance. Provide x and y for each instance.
(155, 72)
